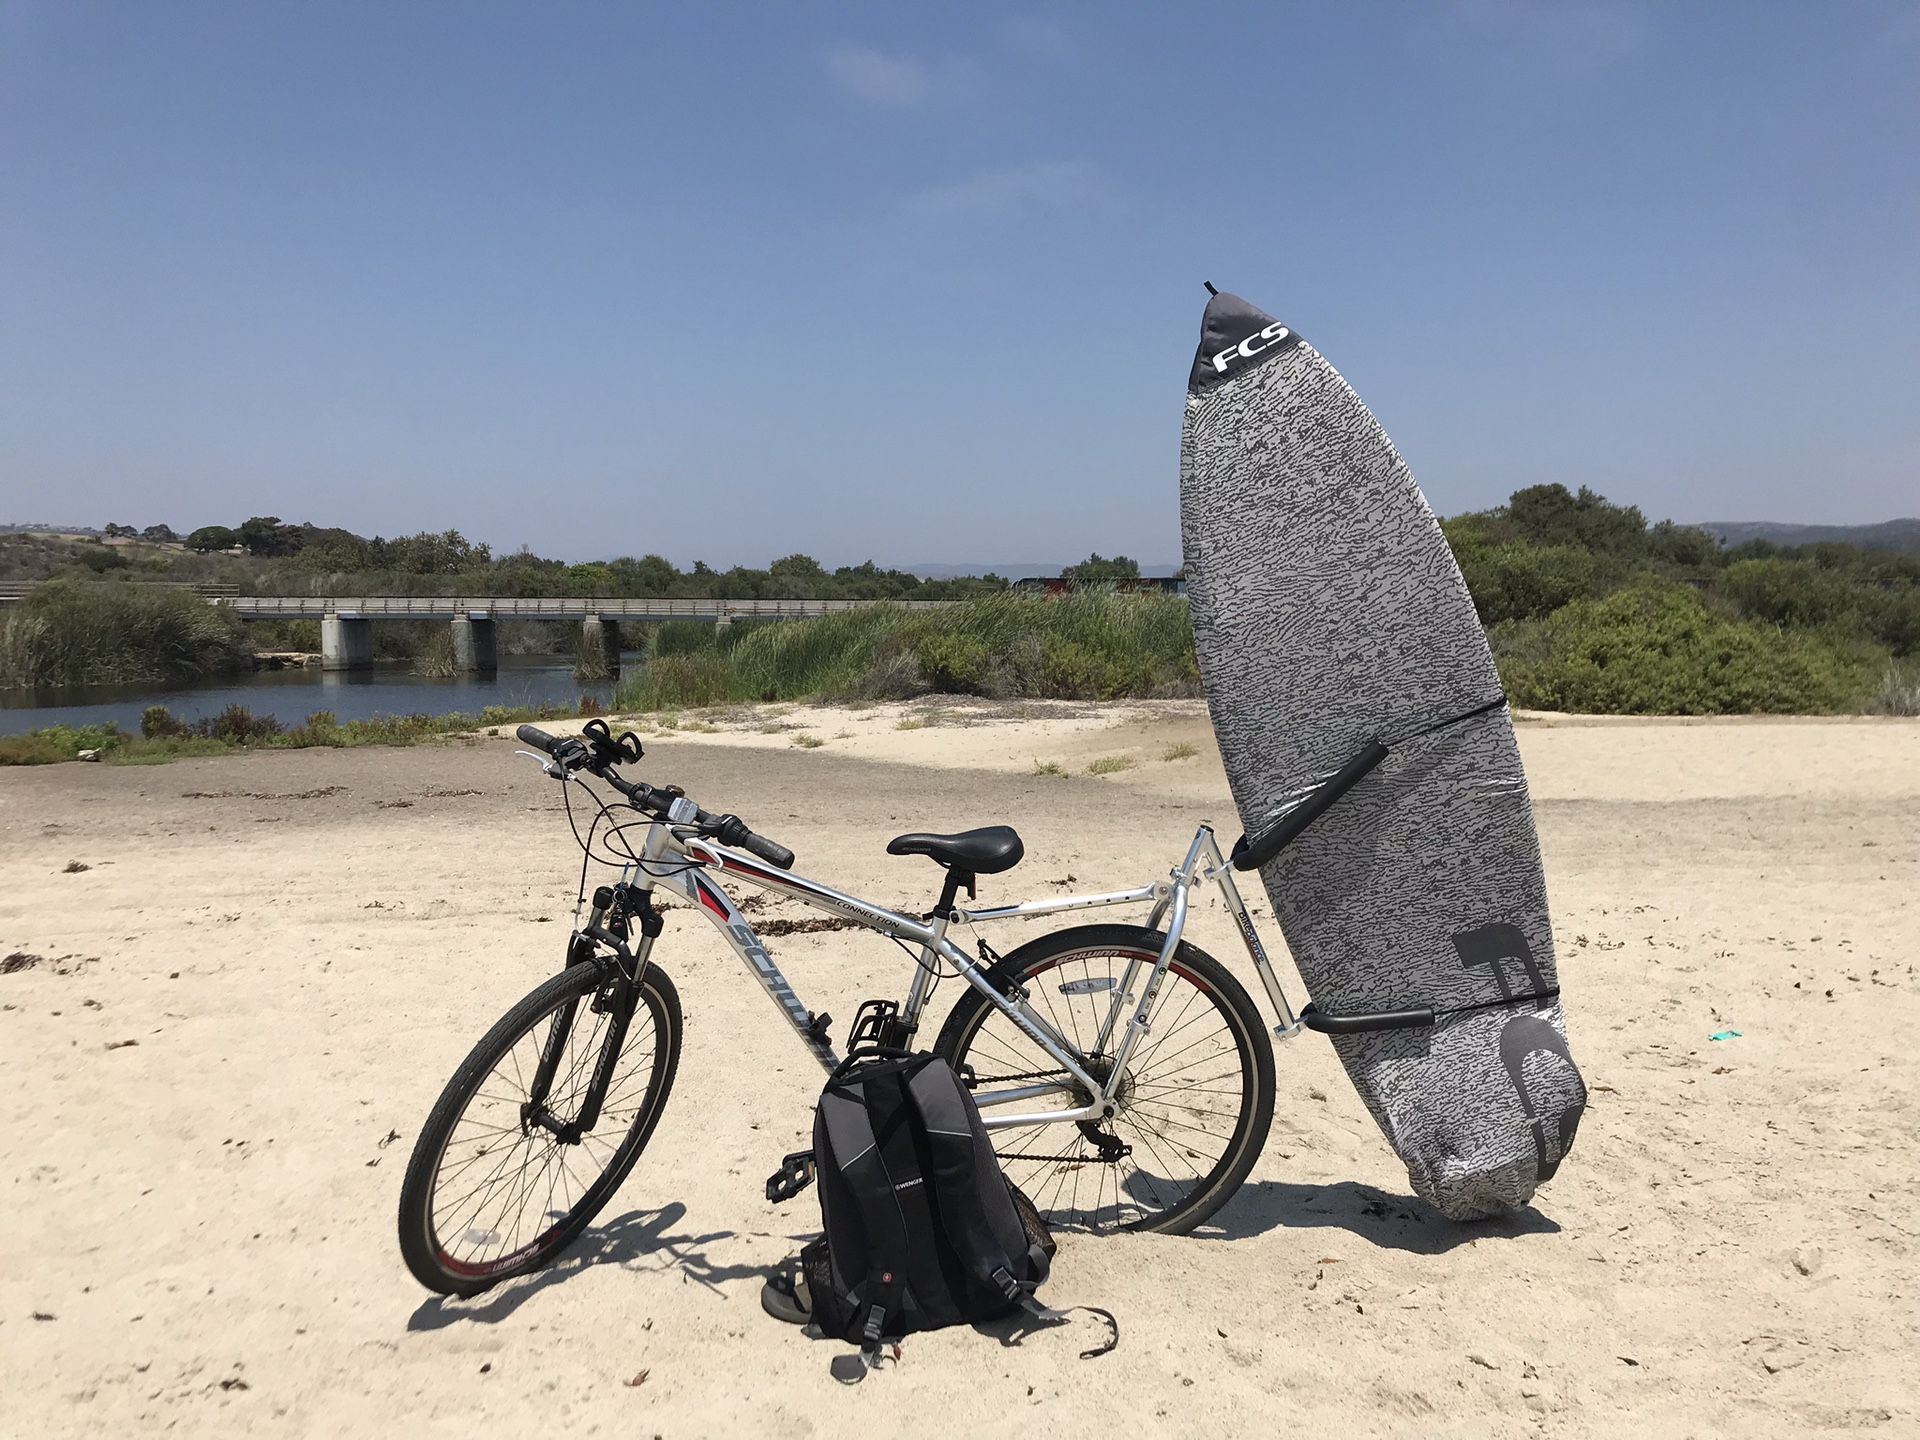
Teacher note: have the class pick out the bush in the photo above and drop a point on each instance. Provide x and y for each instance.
(235, 725)
(86, 634)
(157, 723)
(952, 664)
(1091, 644)
(1658, 649)
(56, 743)
(1524, 582)
(1876, 601)
(1898, 694)
(238, 725)
(436, 659)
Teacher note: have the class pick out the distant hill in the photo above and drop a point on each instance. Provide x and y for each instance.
(1898, 535)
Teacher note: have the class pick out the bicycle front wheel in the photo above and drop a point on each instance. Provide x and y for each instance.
(502, 1179)
(1195, 1098)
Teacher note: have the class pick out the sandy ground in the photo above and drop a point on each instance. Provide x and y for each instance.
(244, 1006)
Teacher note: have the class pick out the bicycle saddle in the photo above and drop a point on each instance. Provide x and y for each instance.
(986, 851)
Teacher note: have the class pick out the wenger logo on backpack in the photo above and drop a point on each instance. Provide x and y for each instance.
(922, 1230)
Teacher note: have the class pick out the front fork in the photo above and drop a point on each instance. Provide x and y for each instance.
(633, 907)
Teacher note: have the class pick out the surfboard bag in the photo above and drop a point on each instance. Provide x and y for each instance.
(1372, 759)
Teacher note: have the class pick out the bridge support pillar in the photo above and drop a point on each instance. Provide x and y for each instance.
(474, 652)
(346, 642)
(599, 657)
(723, 620)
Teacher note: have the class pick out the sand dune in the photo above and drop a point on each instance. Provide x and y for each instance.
(219, 1038)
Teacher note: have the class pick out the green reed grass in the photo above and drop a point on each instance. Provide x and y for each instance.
(1091, 645)
(76, 633)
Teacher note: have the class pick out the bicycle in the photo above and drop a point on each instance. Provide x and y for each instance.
(1066, 1036)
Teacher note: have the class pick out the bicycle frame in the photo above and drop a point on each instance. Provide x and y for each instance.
(685, 864)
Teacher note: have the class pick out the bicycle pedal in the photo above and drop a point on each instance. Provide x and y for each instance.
(794, 1175)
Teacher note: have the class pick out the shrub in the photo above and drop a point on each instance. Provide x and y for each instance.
(1899, 693)
(436, 659)
(1524, 582)
(1877, 601)
(1092, 644)
(951, 663)
(157, 723)
(56, 743)
(237, 725)
(75, 633)
(1658, 649)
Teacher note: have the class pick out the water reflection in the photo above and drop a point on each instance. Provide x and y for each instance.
(389, 688)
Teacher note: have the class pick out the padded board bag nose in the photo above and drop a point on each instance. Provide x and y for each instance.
(1328, 614)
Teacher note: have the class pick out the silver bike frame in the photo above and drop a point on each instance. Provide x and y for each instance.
(684, 863)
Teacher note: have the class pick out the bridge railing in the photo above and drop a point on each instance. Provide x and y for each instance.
(11, 590)
(521, 607)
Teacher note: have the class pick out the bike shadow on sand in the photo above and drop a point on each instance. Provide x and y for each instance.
(1393, 1222)
(639, 1239)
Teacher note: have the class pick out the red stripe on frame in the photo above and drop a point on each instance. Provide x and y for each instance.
(727, 863)
(710, 900)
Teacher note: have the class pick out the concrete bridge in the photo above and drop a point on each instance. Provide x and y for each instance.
(346, 641)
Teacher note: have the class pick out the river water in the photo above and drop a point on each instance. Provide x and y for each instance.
(389, 688)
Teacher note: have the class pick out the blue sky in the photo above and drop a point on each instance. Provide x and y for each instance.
(922, 282)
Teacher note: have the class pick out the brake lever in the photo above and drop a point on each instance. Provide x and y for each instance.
(546, 763)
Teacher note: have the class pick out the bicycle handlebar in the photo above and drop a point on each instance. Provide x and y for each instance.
(572, 754)
(533, 735)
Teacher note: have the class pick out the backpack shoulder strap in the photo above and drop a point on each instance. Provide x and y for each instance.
(954, 1145)
(856, 1151)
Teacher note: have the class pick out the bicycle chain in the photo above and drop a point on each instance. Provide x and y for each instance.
(1023, 1075)
(1083, 1159)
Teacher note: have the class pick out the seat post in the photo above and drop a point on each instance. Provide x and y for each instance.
(950, 891)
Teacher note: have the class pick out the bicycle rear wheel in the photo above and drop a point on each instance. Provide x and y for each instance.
(1196, 1099)
(492, 1191)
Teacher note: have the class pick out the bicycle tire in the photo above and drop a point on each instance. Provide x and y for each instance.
(421, 1245)
(1191, 970)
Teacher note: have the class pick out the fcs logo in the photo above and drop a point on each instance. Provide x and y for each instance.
(1250, 347)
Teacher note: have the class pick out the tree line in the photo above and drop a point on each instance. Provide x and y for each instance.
(274, 556)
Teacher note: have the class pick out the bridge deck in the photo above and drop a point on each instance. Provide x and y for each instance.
(504, 607)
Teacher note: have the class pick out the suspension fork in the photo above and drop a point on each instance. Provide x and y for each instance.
(622, 996)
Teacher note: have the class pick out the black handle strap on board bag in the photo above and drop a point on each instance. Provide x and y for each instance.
(922, 1228)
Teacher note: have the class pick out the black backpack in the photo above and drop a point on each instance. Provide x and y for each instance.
(922, 1228)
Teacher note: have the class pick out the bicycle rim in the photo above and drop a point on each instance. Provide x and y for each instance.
(1188, 1091)
(505, 1190)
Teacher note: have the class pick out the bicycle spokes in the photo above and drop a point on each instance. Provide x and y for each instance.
(541, 1129)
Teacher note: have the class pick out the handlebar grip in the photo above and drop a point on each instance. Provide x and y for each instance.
(773, 853)
(533, 735)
